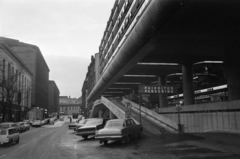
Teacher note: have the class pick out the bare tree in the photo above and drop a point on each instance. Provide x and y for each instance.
(11, 90)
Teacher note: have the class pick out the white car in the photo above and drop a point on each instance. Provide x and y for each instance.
(37, 123)
(9, 135)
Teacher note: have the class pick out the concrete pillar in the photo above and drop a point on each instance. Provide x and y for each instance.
(188, 91)
(162, 97)
(111, 115)
(233, 81)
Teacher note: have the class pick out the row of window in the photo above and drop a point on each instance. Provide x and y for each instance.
(117, 32)
(69, 108)
(17, 78)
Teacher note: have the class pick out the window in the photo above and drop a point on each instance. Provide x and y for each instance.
(128, 123)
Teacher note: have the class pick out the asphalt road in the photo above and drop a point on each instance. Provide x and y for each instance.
(57, 142)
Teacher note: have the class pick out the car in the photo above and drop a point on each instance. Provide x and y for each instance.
(119, 129)
(28, 122)
(9, 125)
(37, 123)
(73, 125)
(27, 126)
(9, 135)
(61, 118)
(90, 127)
(80, 124)
(21, 126)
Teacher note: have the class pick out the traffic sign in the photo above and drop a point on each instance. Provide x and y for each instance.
(157, 89)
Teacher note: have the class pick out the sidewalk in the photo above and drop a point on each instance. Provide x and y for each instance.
(191, 146)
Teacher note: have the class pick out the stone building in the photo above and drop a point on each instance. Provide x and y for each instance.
(53, 97)
(33, 58)
(15, 85)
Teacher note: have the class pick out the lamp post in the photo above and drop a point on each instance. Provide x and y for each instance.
(140, 111)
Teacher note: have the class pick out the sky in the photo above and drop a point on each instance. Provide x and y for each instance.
(68, 33)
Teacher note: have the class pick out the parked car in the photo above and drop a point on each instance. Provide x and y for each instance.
(73, 125)
(27, 126)
(28, 122)
(119, 129)
(90, 127)
(37, 123)
(61, 118)
(80, 124)
(9, 125)
(21, 126)
(9, 135)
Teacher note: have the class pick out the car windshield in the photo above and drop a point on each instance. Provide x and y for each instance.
(114, 124)
(82, 121)
(93, 122)
(3, 132)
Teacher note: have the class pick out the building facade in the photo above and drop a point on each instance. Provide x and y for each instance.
(91, 79)
(15, 91)
(33, 58)
(53, 97)
(69, 109)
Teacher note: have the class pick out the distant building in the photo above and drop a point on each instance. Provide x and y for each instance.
(15, 80)
(91, 79)
(53, 97)
(33, 58)
(68, 100)
(70, 105)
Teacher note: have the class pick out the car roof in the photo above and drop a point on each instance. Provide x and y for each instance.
(7, 123)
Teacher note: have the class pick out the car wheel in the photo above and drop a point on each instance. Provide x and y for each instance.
(17, 140)
(11, 142)
(85, 137)
(128, 139)
(105, 142)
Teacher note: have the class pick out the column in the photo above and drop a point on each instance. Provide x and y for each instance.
(111, 115)
(162, 97)
(233, 81)
(188, 91)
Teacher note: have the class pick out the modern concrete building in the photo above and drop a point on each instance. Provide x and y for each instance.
(191, 46)
(53, 97)
(33, 58)
(15, 85)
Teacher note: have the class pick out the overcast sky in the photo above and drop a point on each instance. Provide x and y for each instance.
(67, 32)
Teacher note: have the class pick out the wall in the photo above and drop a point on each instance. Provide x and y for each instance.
(209, 117)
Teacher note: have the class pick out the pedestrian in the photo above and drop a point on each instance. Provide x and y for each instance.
(70, 119)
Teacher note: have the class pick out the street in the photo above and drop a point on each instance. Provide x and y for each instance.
(57, 142)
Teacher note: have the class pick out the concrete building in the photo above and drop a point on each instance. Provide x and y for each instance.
(188, 46)
(15, 85)
(92, 77)
(53, 97)
(33, 58)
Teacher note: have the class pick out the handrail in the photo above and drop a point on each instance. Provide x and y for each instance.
(149, 115)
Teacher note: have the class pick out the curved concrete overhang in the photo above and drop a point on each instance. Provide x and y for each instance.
(135, 47)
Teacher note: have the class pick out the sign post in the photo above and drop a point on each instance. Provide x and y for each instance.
(128, 111)
(179, 108)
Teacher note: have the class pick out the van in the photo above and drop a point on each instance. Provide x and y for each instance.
(9, 135)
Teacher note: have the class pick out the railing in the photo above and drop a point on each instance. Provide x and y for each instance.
(155, 117)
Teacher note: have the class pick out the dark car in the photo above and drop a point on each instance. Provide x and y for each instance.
(119, 129)
(92, 125)
(73, 125)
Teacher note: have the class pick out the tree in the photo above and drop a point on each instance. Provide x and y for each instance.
(12, 88)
